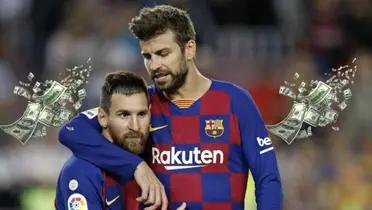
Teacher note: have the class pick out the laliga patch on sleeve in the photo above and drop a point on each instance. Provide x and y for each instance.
(77, 201)
(91, 113)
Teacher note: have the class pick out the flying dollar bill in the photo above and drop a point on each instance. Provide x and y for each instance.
(23, 128)
(291, 125)
(312, 116)
(21, 91)
(47, 104)
(40, 131)
(305, 133)
(52, 94)
(62, 117)
(287, 92)
(318, 94)
(47, 116)
(313, 106)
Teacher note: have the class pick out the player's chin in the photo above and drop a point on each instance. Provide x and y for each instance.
(139, 149)
(136, 146)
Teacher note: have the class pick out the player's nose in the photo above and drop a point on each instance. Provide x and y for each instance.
(134, 124)
(155, 64)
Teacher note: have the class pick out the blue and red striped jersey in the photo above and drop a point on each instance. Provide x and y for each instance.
(82, 186)
(200, 150)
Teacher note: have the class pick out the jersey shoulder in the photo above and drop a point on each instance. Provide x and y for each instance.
(90, 113)
(89, 116)
(76, 167)
(152, 90)
(79, 182)
(236, 93)
(242, 103)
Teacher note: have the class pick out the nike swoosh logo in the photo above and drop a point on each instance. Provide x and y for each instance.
(152, 129)
(112, 201)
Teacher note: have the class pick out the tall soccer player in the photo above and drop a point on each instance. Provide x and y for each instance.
(205, 135)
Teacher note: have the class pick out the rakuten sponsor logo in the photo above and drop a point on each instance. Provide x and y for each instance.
(186, 159)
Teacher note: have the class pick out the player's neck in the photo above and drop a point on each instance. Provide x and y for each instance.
(195, 87)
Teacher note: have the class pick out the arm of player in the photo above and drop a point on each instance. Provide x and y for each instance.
(81, 187)
(259, 153)
(82, 135)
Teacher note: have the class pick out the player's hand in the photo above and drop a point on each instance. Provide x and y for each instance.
(182, 207)
(153, 192)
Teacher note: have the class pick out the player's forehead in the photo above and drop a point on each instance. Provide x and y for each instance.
(159, 42)
(133, 103)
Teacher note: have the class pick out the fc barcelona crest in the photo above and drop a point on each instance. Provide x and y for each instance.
(214, 128)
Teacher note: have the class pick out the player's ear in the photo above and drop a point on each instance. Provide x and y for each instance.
(190, 50)
(102, 117)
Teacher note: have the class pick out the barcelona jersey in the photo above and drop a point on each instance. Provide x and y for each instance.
(83, 186)
(200, 150)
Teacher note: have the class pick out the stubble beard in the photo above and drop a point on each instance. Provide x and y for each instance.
(177, 81)
(134, 142)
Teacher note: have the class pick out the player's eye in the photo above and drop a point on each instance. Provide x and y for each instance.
(142, 114)
(124, 114)
(164, 54)
(146, 56)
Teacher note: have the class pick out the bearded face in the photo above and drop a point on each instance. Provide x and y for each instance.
(170, 80)
(127, 123)
(133, 141)
(165, 62)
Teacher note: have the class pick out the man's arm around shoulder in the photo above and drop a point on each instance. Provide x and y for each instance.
(82, 135)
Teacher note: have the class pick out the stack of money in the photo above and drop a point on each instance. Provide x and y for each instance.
(314, 104)
(47, 105)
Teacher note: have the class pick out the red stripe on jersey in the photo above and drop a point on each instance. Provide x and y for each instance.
(131, 191)
(109, 180)
(234, 130)
(185, 129)
(238, 185)
(104, 190)
(215, 102)
(185, 188)
(159, 105)
(217, 205)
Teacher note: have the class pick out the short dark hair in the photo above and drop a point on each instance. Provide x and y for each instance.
(122, 82)
(153, 21)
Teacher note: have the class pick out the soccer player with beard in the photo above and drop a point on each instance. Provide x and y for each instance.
(124, 116)
(205, 134)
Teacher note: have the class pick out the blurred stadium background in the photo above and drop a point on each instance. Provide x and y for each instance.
(256, 44)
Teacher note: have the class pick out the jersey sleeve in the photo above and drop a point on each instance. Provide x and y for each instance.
(80, 185)
(259, 152)
(82, 135)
